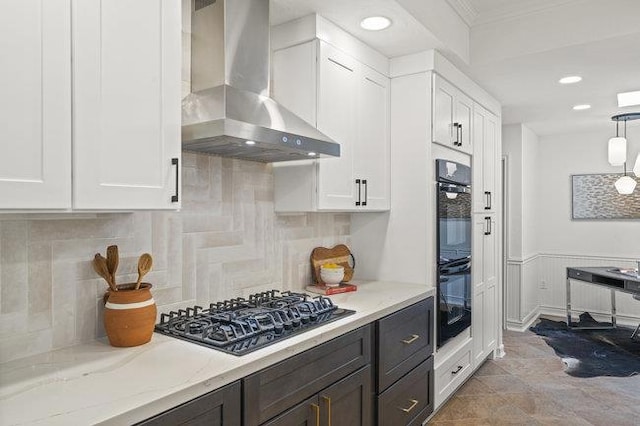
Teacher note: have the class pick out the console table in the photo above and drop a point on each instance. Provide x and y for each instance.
(610, 277)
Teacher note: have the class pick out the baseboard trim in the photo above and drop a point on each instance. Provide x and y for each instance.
(526, 321)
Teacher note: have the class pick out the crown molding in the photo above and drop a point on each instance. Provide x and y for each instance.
(518, 10)
(465, 10)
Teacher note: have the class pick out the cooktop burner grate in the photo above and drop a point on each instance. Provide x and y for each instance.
(239, 326)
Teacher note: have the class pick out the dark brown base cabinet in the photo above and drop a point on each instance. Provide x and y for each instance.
(404, 352)
(327, 385)
(387, 364)
(217, 408)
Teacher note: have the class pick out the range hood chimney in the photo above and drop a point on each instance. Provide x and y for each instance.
(229, 112)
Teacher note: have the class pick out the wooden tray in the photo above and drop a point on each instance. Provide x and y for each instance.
(339, 254)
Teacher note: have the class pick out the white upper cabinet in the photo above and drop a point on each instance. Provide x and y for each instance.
(349, 102)
(337, 109)
(452, 116)
(371, 164)
(35, 104)
(126, 97)
(101, 132)
(486, 160)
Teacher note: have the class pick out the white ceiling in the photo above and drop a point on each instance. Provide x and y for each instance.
(519, 49)
(405, 36)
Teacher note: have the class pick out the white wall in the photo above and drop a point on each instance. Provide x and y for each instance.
(560, 157)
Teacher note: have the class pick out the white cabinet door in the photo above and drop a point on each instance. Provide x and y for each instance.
(372, 143)
(35, 104)
(484, 279)
(443, 112)
(452, 116)
(463, 120)
(126, 94)
(486, 160)
(337, 91)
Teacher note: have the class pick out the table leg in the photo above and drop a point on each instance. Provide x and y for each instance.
(613, 308)
(568, 302)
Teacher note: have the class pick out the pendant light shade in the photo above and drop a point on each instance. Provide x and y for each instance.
(617, 151)
(625, 185)
(636, 168)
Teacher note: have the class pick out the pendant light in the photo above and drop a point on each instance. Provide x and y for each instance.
(625, 185)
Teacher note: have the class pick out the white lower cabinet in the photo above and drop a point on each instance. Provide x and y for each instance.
(350, 104)
(484, 321)
(101, 132)
(453, 372)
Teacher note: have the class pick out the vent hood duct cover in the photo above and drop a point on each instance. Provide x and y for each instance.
(230, 79)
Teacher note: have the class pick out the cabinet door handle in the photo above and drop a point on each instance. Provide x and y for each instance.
(366, 192)
(457, 141)
(412, 339)
(413, 402)
(457, 370)
(328, 401)
(487, 220)
(487, 195)
(460, 138)
(316, 408)
(359, 192)
(175, 162)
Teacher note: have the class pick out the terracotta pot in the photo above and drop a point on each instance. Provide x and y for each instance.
(129, 315)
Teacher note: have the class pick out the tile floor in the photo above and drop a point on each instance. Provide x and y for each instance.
(529, 387)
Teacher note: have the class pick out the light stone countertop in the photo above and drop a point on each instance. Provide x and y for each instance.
(96, 383)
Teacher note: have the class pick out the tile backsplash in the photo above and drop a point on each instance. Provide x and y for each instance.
(225, 242)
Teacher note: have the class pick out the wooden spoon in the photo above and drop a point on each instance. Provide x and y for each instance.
(112, 262)
(144, 266)
(100, 266)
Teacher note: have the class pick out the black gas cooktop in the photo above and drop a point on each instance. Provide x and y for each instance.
(239, 326)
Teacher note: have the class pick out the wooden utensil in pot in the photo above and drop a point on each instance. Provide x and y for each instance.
(101, 268)
(113, 259)
(144, 266)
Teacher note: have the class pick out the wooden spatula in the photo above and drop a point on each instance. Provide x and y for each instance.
(144, 266)
(100, 266)
(112, 262)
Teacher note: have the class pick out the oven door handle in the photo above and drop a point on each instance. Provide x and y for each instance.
(457, 262)
(462, 271)
(456, 189)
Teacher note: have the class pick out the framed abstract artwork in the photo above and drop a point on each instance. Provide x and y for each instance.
(595, 197)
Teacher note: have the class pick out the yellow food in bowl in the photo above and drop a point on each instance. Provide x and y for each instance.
(331, 266)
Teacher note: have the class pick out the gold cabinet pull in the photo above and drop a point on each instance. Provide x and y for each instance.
(412, 339)
(316, 408)
(413, 402)
(328, 400)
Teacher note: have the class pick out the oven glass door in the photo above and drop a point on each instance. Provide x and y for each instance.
(454, 295)
(454, 223)
(454, 260)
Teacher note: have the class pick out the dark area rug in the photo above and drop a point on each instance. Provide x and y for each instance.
(592, 353)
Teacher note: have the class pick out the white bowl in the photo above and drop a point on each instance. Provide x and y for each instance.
(332, 276)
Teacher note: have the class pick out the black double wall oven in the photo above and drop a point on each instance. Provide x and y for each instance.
(453, 249)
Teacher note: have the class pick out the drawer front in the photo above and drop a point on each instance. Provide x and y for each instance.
(275, 389)
(579, 275)
(217, 408)
(404, 341)
(410, 400)
(453, 373)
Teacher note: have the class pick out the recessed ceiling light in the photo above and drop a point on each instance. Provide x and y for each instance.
(311, 154)
(581, 107)
(629, 99)
(375, 23)
(570, 79)
(250, 142)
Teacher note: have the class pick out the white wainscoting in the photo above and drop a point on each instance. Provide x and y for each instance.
(521, 292)
(537, 285)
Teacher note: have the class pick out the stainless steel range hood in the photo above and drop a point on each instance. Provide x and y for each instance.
(229, 112)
